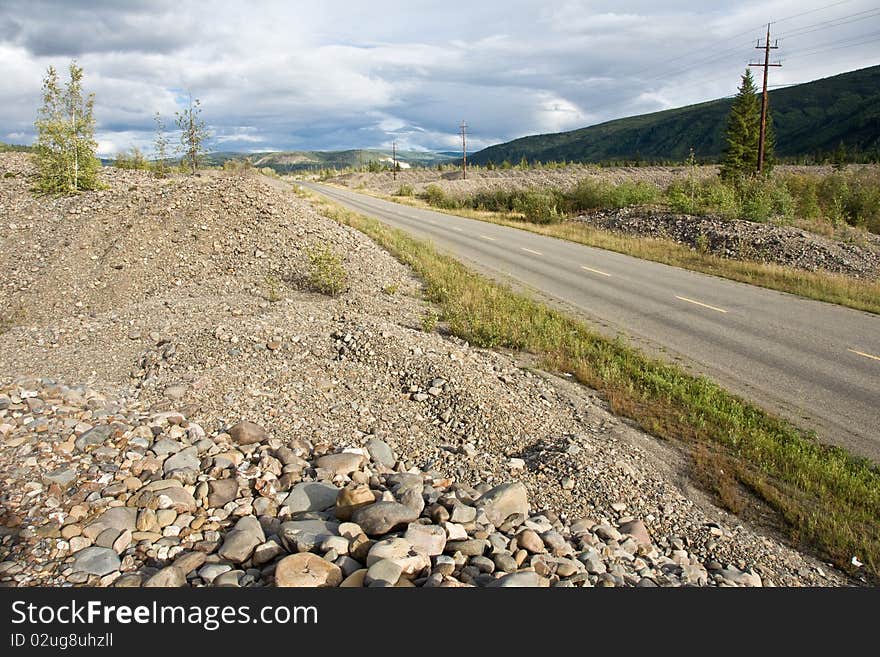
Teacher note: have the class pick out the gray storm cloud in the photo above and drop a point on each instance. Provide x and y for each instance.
(282, 75)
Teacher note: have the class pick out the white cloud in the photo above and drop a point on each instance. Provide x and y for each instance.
(352, 74)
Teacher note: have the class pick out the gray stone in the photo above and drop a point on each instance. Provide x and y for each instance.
(343, 463)
(504, 562)
(94, 436)
(239, 544)
(384, 572)
(166, 446)
(305, 535)
(484, 564)
(503, 501)
(185, 459)
(62, 476)
(593, 562)
(222, 491)
(166, 578)
(472, 547)
(96, 561)
(209, 572)
(119, 518)
(311, 496)
(462, 513)
(429, 539)
(229, 579)
(179, 499)
(380, 452)
(607, 533)
(266, 552)
(107, 537)
(189, 561)
(382, 517)
(524, 579)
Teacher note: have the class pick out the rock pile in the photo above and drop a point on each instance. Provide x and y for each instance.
(140, 499)
(747, 240)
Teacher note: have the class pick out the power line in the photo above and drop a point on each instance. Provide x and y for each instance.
(809, 53)
(751, 30)
(837, 22)
(834, 43)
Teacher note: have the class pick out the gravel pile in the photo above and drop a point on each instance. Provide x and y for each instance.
(200, 416)
(479, 180)
(747, 240)
(136, 498)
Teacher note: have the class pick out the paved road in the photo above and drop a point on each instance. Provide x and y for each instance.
(815, 363)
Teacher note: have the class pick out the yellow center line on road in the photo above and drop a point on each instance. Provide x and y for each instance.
(704, 305)
(530, 251)
(596, 271)
(862, 353)
(486, 237)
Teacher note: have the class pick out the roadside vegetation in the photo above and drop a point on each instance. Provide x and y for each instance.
(819, 285)
(821, 202)
(829, 498)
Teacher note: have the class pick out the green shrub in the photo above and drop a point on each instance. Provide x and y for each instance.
(405, 190)
(327, 274)
(131, 159)
(538, 206)
(591, 194)
(434, 195)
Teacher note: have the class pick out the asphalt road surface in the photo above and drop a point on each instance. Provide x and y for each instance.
(815, 363)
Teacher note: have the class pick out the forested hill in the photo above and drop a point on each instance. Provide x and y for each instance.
(809, 118)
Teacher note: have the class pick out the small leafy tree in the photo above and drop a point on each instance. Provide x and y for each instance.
(160, 148)
(743, 131)
(65, 135)
(130, 159)
(193, 134)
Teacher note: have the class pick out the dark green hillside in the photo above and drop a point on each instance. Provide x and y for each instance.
(809, 118)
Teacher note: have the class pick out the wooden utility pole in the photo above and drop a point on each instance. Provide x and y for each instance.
(463, 130)
(766, 65)
(394, 160)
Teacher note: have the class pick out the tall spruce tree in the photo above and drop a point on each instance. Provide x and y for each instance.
(193, 134)
(66, 135)
(743, 132)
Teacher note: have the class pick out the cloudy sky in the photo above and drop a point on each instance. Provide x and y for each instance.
(313, 75)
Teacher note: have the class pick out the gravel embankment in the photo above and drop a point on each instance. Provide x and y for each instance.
(149, 324)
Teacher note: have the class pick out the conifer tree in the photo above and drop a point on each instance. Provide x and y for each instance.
(65, 135)
(743, 131)
(193, 134)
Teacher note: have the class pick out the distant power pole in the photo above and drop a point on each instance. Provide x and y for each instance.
(766, 65)
(463, 130)
(394, 160)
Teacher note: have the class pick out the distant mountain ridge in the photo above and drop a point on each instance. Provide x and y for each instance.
(808, 118)
(297, 161)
